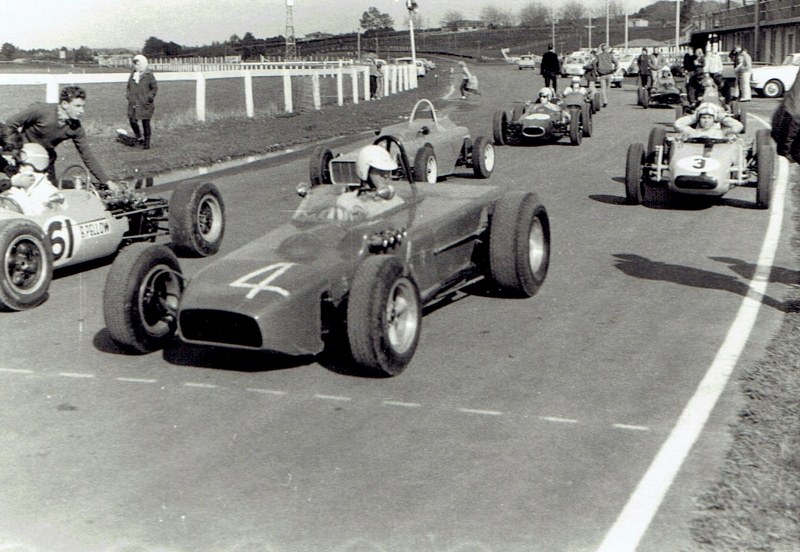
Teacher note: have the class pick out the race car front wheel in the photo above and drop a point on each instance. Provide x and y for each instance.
(765, 157)
(634, 186)
(384, 315)
(499, 127)
(140, 300)
(197, 219)
(27, 265)
(575, 131)
(319, 166)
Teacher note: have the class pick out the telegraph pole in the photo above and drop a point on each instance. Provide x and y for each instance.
(291, 45)
(590, 27)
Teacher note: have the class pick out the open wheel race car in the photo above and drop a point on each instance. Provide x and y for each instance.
(531, 121)
(330, 277)
(700, 166)
(83, 223)
(436, 146)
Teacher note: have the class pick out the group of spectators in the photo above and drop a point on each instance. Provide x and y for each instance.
(600, 67)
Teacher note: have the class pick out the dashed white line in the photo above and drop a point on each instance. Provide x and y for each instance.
(201, 385)
(633, 427)
(332, 398)
(75, 375)
(558, 420)
(136, 380)
(484, 412)
(16, 371)
(265, 391)
(401, 403)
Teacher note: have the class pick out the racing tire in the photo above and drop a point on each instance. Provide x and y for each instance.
(575, 132)
(426, 169)
(645, 98)
(27, 258)
(762, 137)
(384, 315)
(482, 158)
(657, 137)
(772, 89)
(596, 102)
(499, 126)
(140, 299)
(639, 95)
(519, 243)
(319, 171)
(765, 157)
(196, 219)
(634, 185)
(742, 118)
(586, 118)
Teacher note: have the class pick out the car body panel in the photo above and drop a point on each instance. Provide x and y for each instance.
(786, 73)
(694, 167)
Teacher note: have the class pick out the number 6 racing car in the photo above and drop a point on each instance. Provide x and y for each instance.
(333, 271)
(83, 223)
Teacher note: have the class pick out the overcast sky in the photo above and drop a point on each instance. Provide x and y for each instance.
(31, 24)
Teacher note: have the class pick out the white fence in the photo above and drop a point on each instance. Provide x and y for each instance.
(397, 78)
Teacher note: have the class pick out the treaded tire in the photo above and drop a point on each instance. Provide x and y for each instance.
(657, 137)
(772, 89)
(319, 166)
(586, 118)
(645, 98)
(27, 263)
(384, 315)
(575, 132)
(141, 297)
(634, 187)
(426, 169)
(519, 243)
(766, 166)
(196, 219)
(499, 126)
(482, 157)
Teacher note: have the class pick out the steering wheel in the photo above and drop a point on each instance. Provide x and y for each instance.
(75, 177)
(10, 204)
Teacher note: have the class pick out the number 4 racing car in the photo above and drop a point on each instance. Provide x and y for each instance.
(83, 223)
(700, 166)
(332, 271)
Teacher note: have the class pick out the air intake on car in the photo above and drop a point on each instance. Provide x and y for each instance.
(215, 326)
(533, 132)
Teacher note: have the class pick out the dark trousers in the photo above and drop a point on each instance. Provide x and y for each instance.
(647, 80)
(145, 128)
(373, 85)
(550, 79)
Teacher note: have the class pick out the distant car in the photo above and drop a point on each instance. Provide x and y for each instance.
(437, 146)
(574, 66)
(660, 97)
(532, 122)
(330, 281)
(429, 65)
(771, 81)
(700, 166)
(526, 61)
(83, 223)
(421, 70)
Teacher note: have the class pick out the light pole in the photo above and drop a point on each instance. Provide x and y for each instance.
(608, 12)
(411, 5)
(677, 25)
(590, 27)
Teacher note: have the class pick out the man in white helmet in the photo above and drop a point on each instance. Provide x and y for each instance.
(708, 120)
(374, 194)
(30, 187)
(545, 101)
(575, 86)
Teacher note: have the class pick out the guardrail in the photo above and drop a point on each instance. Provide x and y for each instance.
(397, 78)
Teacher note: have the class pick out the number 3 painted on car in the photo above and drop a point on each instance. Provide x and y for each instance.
(273, 271)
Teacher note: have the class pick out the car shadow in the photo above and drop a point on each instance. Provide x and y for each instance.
(659, 197)
(647, 269)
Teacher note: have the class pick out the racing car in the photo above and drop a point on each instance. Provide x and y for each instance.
(700, 166)
(82, 223)
(329, 276)
(437, 146)
(530, 121)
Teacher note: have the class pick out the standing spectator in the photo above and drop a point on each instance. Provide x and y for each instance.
(379, 89)
(550, 68)
(51, 124)
(733, 90)
(655, 62)
(689, 68)
(374, 74)
(643, 62)
(786, 124)
(713, 66)
(696, 80)
(744, 70)
(591, 70)
(141, 95)
(606, 66)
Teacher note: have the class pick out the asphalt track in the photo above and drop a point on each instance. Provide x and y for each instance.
(582, 419)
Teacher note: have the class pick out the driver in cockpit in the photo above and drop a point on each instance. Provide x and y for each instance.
(708, 121)
(374, 194)
(30, 187)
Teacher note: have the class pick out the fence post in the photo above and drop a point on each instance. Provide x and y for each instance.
(51, 92)
(315, 91)
(200, 97)
(340, 85)
(354, 82)
(365, 71)
(287, 92)
(394, 79)
(248, 94)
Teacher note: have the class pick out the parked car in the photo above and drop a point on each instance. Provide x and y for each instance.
(771, 81)
(574, 65)
(421, 70)
(526, 61)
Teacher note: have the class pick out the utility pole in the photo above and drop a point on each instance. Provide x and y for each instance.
(590, 27)
(608, 13)
(291, 45)
(677, 25)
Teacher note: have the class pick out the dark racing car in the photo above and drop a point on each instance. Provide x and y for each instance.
(544, 121)
(333, 269)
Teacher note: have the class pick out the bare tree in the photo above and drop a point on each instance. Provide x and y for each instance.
(451, 19)
(573, 11)
(534, 14)
(496, 17)
(375, 20)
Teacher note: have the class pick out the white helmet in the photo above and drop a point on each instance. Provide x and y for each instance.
(576, 79)
(708, 108)
(35, 155)
(545, 92)
(373, 156)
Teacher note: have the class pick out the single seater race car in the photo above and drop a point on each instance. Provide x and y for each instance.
(436, 146)
(534, 121)
(83, 223)
(700, 166)
(333, 275)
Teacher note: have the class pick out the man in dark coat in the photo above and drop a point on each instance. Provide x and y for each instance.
(550, 68)
(141, 94)
(786, 124)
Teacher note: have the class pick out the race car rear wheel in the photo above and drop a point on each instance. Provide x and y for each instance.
(519, 243)
(596, 103)
(772, 89)
(575, 132)
(196, 219)
(645, 98)
(742, 118)
(27, 265)
(586, 119)
(140, 300)
(657, 137)
(639, 95)
(426, 169)
(319, 166)
(482, 157)
(384, 315)
(765, 157)
(634, 184)
(499, 127)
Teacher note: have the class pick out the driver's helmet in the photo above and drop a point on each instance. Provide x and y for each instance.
(545, 93)
(373, 156)
(576, 81)
(707, 108)
(34, 155)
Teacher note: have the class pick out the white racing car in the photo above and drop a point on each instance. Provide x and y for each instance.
(82, 223)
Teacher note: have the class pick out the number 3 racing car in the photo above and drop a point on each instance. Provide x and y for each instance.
(82, 223)
(363, 275)
(700, 166)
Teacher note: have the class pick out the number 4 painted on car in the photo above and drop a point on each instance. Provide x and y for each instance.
(273, 271)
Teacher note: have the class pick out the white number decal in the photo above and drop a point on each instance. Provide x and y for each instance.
(272, 271)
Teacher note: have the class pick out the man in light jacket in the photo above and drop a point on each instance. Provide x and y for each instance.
(743, 70)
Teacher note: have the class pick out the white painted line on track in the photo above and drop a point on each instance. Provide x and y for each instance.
(265, 391)
(483, 412)
(558, 420)
(75, 375)
(136, 380)
(332, 398)
(16, 371)
(632, 427)
(201, 385)
(632, 523)
(401, 403)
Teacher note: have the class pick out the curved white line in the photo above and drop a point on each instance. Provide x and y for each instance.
(635, 518)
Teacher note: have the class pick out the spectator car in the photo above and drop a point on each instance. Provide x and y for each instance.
(532, 121)
(771, 81)
(702, 166)
(437, 146)
(328, 280)
(83, 223)
(574, 65)
(420, 65)
(526, 61)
